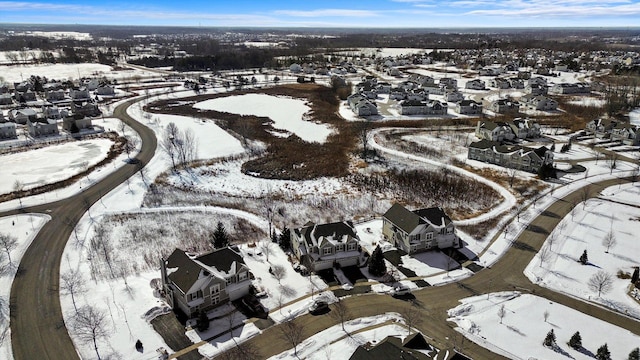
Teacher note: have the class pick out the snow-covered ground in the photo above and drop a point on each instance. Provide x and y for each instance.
(23, 228)
(293, 120)
(523, 328)
(47, 165)
(634, 117)
(585, 229)
(18, 73)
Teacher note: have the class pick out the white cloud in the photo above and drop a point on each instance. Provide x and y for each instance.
(327, 12)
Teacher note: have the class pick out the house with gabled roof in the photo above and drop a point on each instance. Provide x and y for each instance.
(7, 130)
(412, 347)
(469, 107)
(510, 156)
(601, 128)
(320, 246)
(418, 230)
(626, 133)
(194, 283)
(525, 128)
(42, 127)
(494, 131)
(504, 106)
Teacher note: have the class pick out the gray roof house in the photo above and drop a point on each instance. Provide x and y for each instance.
(469, 107)
(504, 106)
(319, 247)
(42, 127)
(193, 283)
(513, 156)
(418, 230)
(7, 130)
(493, 131)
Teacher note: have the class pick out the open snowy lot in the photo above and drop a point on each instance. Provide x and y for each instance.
(523, 328)
(292, 120)
(23, 228)
(585, 229)
(47, 165)
(18, 73)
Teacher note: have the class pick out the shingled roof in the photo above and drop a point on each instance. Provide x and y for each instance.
(409, 220)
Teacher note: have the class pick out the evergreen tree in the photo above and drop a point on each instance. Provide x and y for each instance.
(603, 353)
(550, 339)
(202, 323)
(377, 267)
(636, 275)
(274, 237)
(220, 238)
(576, 340)
(584, 259)
(284, 240)
(634, 354)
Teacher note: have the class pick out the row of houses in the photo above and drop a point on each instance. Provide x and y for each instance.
(194, 283)
(510, 156)
(615, 130)
(507, 130)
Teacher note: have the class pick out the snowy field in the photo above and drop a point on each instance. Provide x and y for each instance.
(634, 117)
(585, 229)
(47, 165)
(524, 328)
(18, 73)
(23, 228)
(293, 120)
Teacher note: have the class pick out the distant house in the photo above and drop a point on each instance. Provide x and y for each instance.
(626, 133)
(564, 88)
(55, 96)
(469, 107)
(321, 246)
(448, 82)
(6, 99)
(21, 116)
(105, 90)
(510, 156)
(76, 123)
(7, 130)
(86, 108)
(80, 95)
(535, 89)
(42, 127)
(475, 84)
(525, 128)
(361, 106)
(539, 102)
(494, 131)
(601, 128)
(453, 96)
(295, 68)
(504, 106)
(27, 96)
(418, 230)
(193, 283)
(500, 83)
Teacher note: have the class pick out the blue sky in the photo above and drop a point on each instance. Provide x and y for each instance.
(329, 13)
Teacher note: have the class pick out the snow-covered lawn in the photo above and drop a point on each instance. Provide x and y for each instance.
(23, 228)
(16, 73)
(524, 328)
(585, 230)
(287, 114)
(47, 165)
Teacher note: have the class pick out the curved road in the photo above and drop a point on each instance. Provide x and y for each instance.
(37, 327)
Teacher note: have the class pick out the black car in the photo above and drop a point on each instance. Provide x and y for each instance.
(252, 304)
(318, 306)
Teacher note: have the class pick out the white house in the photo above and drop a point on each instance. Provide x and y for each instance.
(323, 246)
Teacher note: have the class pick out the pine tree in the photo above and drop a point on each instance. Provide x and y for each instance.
(202, 323)
(584, 259)
(284, 240)
(634, 354)
(603, 353)
(220, 237)
(636, 275)
(550, 339)
(377, 267)
(576, 340)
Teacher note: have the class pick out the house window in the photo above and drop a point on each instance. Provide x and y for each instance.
(231, 280)
(195, 295)
(414, 238)
(429, 236)
(215, 289)
(242, 276)
(326, 251)
(339, 247)
(215, 300)
(351, 246)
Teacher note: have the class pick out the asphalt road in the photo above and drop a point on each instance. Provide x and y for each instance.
(505, 275)
(38, 330)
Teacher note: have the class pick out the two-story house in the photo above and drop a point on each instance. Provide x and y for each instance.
(493, 131)
(418, 230)
(319, 247)
(193, 283)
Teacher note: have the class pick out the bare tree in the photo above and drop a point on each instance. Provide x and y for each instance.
(18, 187)
(612, 160)
(292, 333)
(501, 313)
(267, 248)
(130, 145)
(609, 240)
(278, 272)
(242, 351)
(72, 283)
(90, 326)
(341, 313)
(8, 243)
(168, 143)
(512, 175)
(411, 315)
(602, 282)
(584, 195)
(544, 254)
(550, 240)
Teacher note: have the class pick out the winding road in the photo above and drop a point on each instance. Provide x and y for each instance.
(38, 330)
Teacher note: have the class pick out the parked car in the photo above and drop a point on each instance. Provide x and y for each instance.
(252, 304)
(401, 290)
(318, 306)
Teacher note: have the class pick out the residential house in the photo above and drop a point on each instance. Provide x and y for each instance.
(535, 89)
(565, 88)
(626, 133)
(80, 95)
(504, 106)
(539, 102)
(85, 108)
(6, 99)
(295, 68)
(500, 83)
(475, 84)
(4, 88)
(361, 106)
(537, 80)
(469, 107)
(320, 247)
(448, 82)
(601, 128)
(453, 96)
(525, 128)
(55, 96)
(76, 123)
(21, 116)
(191, 283)
(105, 90)
(493, 131)
(510, 156)
(27, 96)
(517, 83)
(42, 127)
(413, 347)
(418, 230)
(7, 130)
(53, 112)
